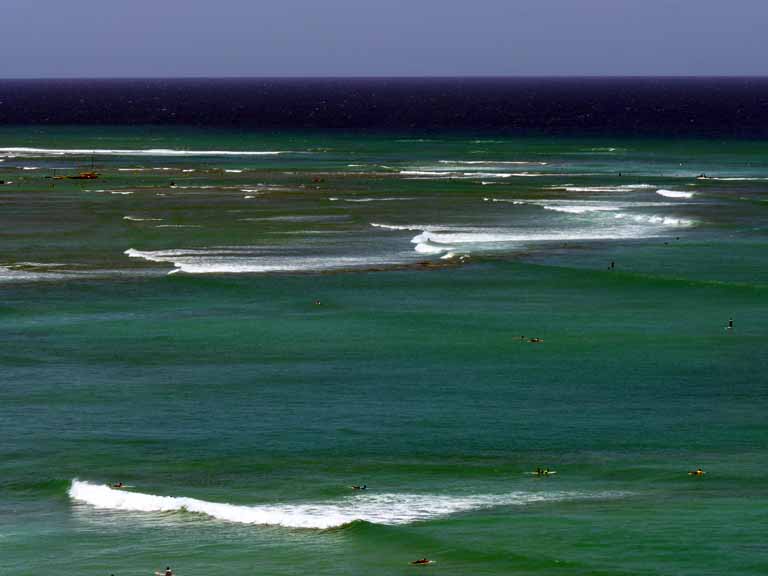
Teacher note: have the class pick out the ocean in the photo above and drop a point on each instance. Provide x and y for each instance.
(428, 288)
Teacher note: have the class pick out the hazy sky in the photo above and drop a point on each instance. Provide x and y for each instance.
(111, 38)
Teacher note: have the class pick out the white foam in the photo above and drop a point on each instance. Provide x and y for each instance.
(447, 173)
(579, 209)
(621, 188)
(492, 162)
(410, 227)
(35, 152)
(506, 200)
(674, 194)
(30, 168)
(734, 178)
(386, 508)
(425, 173)
(232, 171)
(178, 226)
(487, 238)
(135, 219)
(656, 219)
(424, 246)
(387, 199)
(250, 260)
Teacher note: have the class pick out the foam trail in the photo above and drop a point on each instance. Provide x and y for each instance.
(654, 219)
(387, 509)
(674, 194)
(622, 188)
(408, 227)
(491, 162)
(134, 219)
(487, 199)
(579, 209)
(128, 152)
(250, 260)
(388, 199)
(734, 178)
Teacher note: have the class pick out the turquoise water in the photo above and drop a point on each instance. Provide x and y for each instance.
(269, 352)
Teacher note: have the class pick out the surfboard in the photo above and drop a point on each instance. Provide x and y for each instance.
(417, 563)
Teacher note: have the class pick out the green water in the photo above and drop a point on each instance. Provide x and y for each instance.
(347, 362)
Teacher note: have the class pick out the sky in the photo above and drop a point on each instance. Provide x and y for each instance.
(215, 38)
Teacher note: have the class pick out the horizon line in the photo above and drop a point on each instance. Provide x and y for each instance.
(402, 77)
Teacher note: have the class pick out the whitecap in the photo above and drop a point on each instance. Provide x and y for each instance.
(251, 260)
(579, 209)
(34, 152)
(379, 508)
(492, 162)
(384, 199)
(674, 194)
(135, 219)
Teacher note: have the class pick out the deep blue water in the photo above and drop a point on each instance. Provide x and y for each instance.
(680, 107)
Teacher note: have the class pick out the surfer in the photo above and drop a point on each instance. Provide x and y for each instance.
(730, 324)
(363, 487)
(536, 340)
(697, 472)
(118, 485)
(422, 561)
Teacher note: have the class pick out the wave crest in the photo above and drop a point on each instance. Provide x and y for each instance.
(387, 509)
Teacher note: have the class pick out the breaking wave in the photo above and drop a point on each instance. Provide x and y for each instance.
(492, 162)
(37, 152)
(135, 219)
(386, 508)
(674, 194)
(250, 260)
(621, 188)
(384, 199)
(577, 209)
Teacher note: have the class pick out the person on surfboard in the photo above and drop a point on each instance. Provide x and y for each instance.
(422, 561)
